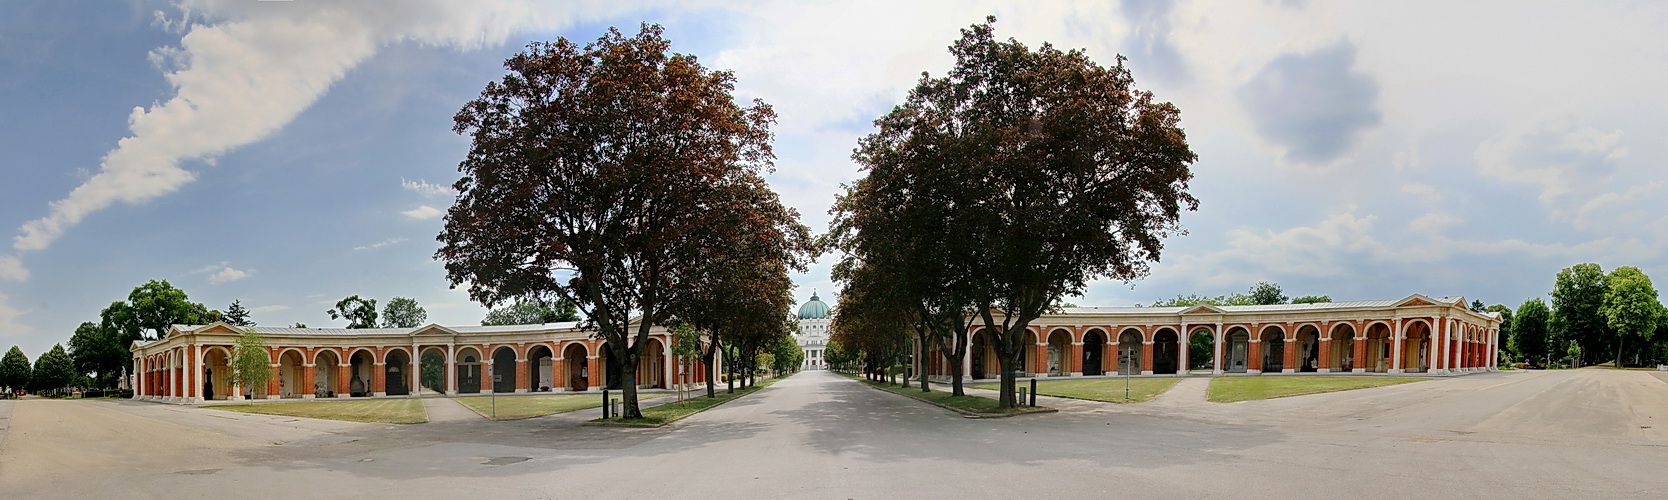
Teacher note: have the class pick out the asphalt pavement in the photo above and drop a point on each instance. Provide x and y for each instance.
(1582, 433)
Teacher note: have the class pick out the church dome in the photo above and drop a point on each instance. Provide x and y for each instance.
(815, 309)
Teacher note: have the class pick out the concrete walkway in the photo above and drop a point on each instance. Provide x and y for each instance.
(5, 420)
(448, 410)
(1190, 391)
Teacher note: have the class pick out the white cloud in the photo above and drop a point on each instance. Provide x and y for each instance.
(423, 187)
(243, 70)
(227, 275)
(423, 212)
(373, 246)
(211, 268)
(9, 327)
(268, 309)
(11, 269)
(1570, 162)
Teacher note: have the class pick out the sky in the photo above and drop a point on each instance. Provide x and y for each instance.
(287, 154)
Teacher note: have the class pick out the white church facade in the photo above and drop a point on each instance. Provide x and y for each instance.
(814, 317)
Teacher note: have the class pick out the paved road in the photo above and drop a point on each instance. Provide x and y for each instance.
(1581, 433)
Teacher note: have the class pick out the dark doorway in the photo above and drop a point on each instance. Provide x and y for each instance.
(1166, 353)
(1274, 350)
(503, 370)
(395, 380)
(979, 347)
(469, 374)
(1094, 348)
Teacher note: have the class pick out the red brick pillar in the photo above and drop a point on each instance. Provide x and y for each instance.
(1039, 357)
(1146, 355)
(594, 370)
(1290, 363)
(379, 378)
(558, 373)
(1360, 354)
(1076, 352)
(1325, 361)
(521, 375)
(344, 379)
(1254, 355)
(309, 379)
(272, 388)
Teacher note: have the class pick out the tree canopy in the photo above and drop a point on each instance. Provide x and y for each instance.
(15, 371)
(604, 175)
(96, 349)
(403, 312)
(1631, 307)
(250, 361)
(531, 311)
(1529, 335)
(237, 315)
(360, 312)
(53, 370)
(1578, 297)
(1265, 293)
(1057, 168)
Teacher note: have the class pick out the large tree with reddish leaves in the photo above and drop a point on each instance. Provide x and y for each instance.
(603, 175)
(1056, 168)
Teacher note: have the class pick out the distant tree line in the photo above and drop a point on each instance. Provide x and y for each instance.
(1593, 318)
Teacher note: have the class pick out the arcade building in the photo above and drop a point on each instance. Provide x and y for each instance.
(191, 363)
(1413, 335)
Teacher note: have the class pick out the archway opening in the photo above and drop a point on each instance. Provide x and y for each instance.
(578, 373)
(469, 371)
(1308, 345)
(1274, 349)
(1166, 352)
(1129, 352)
(540, 364)
(326, 365)
(983, 356)
(610, 367)
(433, 376)
(651, 368)
(1201, 350)
(216, 367)
(503, 369)
(1094, 353)
(361, 378)
(1417, 348)
(1059, 353)
(1343, 347)
(396, 366)
(291, 375)
(1239, 350)
(1378, 348)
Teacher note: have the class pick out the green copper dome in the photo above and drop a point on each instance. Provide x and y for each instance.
(815, 309)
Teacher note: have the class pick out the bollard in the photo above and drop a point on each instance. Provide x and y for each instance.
(1033, 393)
(605, 406)
(1021, 400)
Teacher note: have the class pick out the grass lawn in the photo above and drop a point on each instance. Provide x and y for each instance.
(940, 395)
(1100, 389)
(518, 407)
(389, 411)
(673, 411)
(1231, 389)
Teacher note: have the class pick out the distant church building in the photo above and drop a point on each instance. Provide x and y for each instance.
(813, 332)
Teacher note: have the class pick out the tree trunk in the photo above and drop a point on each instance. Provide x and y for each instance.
(1620, 339)
(706, 365)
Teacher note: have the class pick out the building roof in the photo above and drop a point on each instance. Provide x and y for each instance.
(284, 330)
(815, 309)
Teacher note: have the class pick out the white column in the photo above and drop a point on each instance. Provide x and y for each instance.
(138, 376)
(1216, 357)
(1186, 344)
(451, 370)
(416, 372)
(1396, 349)
(196, 390)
